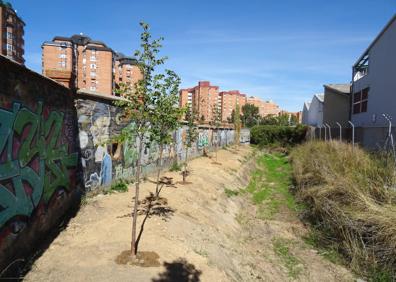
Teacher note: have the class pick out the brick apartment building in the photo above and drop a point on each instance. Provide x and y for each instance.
(265, 107)
(203, 98)
(229, 100)
(126, 70)
(11, 33)
(79, 62)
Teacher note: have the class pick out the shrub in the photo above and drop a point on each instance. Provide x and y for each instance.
(263, 135)
(175, 167)
(350, 197)
(119, 186)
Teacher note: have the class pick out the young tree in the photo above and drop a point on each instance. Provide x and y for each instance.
(138, 106)
(231, 118)
(216, 123)
(250, 115)
(237, 124)
(167, 114)
(191, 137)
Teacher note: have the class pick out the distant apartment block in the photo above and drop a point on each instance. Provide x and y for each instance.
(11, 33)
(126, 70)
(79, 62)
(205, 97)
(229, 101)
(265, 107)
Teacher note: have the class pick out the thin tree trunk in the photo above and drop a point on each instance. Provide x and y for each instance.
(161, 147)
(185, 167)
(134, 247)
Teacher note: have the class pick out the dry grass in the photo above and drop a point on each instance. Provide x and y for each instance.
(350, 196)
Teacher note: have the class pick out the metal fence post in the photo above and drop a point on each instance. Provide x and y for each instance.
(389, 138)
(353, 133)
(340, 130)
(320, 133)
(326, 124)
(324, 127)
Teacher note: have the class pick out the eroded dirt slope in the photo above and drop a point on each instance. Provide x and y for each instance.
(197, 231)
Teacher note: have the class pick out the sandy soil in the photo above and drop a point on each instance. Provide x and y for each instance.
(194, 233)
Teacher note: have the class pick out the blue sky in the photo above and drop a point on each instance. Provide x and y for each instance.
(284, 50)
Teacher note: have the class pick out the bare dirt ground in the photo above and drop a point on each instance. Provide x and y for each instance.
(194, 233)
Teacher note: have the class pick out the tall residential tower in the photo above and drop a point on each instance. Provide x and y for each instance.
(12, 44)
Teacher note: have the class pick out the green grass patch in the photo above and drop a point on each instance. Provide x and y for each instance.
(293, 264)
(175, 167)
(269, 185)
(119, 186)
(230, 193)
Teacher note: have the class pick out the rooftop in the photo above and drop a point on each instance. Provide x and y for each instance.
(320, 97)
(125, 59)
(80, 39)
(388, 25)
(343, 88)
(8, 5)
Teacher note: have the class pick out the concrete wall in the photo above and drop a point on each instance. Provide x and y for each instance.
(335, 108)
(104, 160)
(381, 80)
(39, 177)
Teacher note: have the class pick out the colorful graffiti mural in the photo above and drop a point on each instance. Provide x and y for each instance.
(39, 167)
(34, 163)
(104, 160)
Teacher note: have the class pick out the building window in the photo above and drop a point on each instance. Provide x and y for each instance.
(93, 86)
(9, 35)
(62, 64)
(361, 68)
(360, 100)
(93, 66)
(9, 47)
(62, 56)
(93, 74)
(93, 58)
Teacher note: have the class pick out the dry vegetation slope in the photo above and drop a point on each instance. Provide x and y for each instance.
(351, 199)
(211, 230)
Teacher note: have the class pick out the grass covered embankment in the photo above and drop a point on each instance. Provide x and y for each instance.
(269, 185)
(350, 198)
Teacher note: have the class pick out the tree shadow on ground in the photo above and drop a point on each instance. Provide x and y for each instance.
(153, 206)
(179, 271)
(150, 206)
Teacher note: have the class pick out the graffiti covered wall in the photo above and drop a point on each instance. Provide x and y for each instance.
(104, 160)
(38, 157)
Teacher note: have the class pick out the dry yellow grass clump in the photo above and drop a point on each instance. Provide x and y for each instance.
(351, 196)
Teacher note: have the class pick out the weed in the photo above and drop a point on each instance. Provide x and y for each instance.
(119, 186)
(84, 201)
(175, 167)
(230, 193)
(293, 264)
